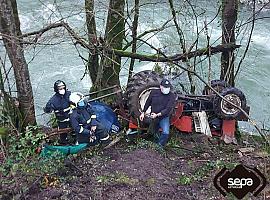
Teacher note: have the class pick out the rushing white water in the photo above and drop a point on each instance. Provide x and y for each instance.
(52, 62)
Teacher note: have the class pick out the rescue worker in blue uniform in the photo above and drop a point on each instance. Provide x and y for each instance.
(59, 104)
(83, 121)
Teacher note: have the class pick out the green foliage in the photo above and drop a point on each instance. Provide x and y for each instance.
(10, 115)
(117, 178)
(203, 171)
(267, 148)
(157, 68)
(231, 196)
(24, 146)
(141, 143)
(53, 122)
(219, 164)
(4, 131)
(35, 165)
(150, 181)
(184, 180)
(238, 134)
(49, 165)
(24, 164)
(174, 142)
(22, 157)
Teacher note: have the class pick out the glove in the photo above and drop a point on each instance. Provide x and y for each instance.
(142, 116)
(47, 110)
(91, 133)
(93, 128)
(92, 138)
(61, 111)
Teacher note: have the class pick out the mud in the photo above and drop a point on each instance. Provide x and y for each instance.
(182, 171)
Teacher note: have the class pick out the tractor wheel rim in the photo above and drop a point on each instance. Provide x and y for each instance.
(143, 97)
(229, 109)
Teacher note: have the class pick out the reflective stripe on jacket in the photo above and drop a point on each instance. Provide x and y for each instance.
(81, 120)
(59, 104)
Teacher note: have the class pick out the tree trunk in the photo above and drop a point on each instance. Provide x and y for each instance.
(93, 64)
(134, 36)
(229, 18)
(10, 27)
(114, 35)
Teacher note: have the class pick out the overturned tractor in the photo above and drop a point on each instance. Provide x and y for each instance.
(208, 113)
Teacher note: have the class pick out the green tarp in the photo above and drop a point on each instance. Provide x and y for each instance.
(49, 150)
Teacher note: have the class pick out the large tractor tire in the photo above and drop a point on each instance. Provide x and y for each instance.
(224, 109)
(218, 85)
(139, 88)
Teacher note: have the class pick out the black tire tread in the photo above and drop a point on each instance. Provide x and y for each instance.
(138, 83)
(217, 103)
(217, 84)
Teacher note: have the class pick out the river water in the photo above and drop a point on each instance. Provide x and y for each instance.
(48, 62)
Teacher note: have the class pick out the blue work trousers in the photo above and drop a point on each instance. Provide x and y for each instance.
(164, 124)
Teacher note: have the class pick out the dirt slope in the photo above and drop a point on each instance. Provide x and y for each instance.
(185, 170)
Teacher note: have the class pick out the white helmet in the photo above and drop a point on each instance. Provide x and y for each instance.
(75, 97)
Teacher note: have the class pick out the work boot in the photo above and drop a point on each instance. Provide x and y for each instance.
(163, 139)
(63, 139)
(106, 142)
(63, 142)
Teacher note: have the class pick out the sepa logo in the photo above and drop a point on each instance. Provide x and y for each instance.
(240, 181)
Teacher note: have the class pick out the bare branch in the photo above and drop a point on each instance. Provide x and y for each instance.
(147, 32)
(141, 57)
(41, 31)
(178, 29)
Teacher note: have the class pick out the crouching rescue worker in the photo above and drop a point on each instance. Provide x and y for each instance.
(162, 102)
(59, 104)
(84, 123)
